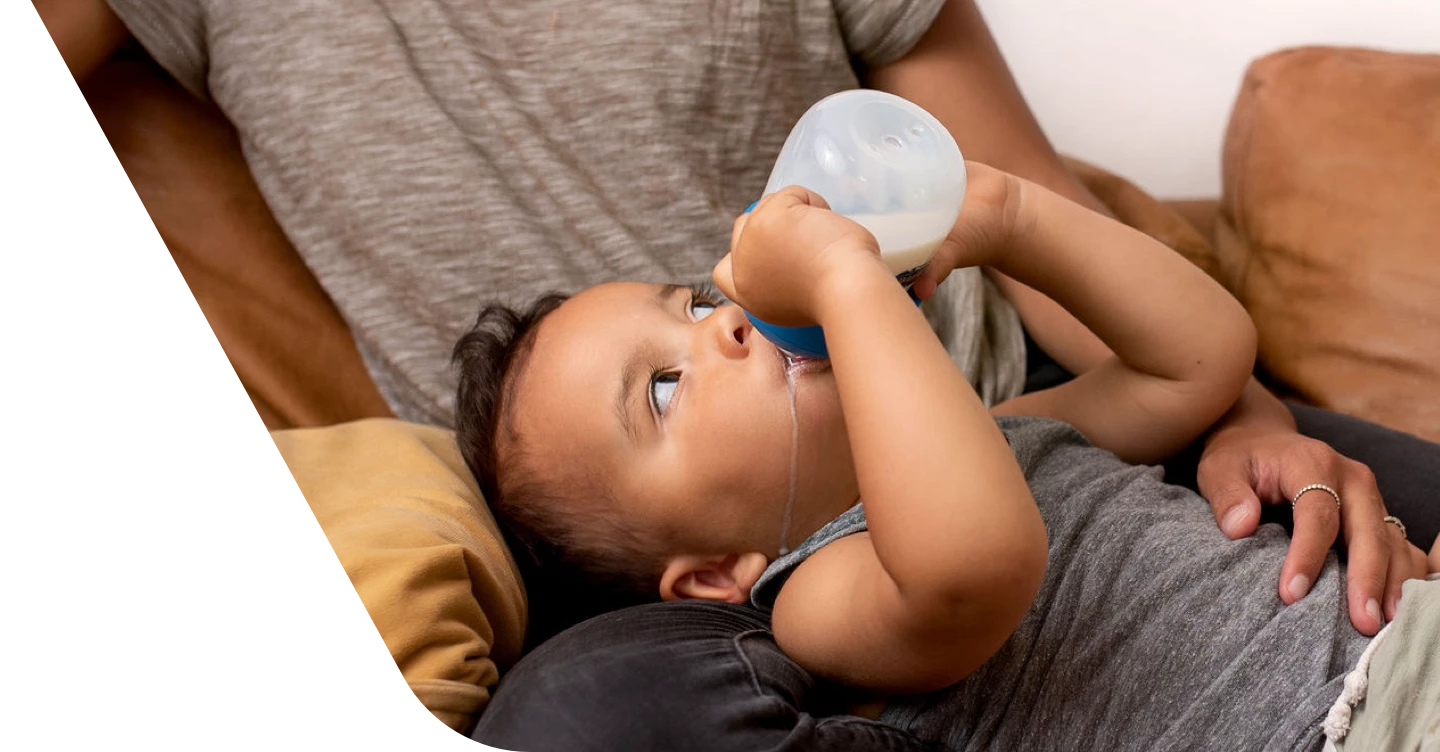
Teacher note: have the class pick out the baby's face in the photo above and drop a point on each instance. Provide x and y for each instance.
(682, 411)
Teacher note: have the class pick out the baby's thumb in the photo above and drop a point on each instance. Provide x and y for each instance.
(724, 277)
(926, 284)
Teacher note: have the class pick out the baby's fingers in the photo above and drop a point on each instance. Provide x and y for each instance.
(799, 194)
(738, 228)
(930, 279)
(724, 276)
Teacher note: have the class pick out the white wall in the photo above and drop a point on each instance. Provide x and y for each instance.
(1144, 87)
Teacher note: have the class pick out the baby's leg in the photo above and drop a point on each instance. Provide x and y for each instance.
(1435, 557)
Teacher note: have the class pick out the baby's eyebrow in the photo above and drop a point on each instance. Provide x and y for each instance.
(625, 399)
(635, 366)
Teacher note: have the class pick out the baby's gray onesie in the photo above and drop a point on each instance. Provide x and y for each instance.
(1152, 631)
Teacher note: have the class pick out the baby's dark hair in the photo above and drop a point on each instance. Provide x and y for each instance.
(575, 556)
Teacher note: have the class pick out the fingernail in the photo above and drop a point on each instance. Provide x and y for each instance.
(1299, 586)
(1233, 520)
(1372, 607)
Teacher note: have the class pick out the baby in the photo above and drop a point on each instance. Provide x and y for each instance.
(635, 441)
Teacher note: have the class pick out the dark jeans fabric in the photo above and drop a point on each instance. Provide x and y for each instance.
(708, 677)
(683, 676)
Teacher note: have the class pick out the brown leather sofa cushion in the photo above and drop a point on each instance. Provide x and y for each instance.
(1330, 228)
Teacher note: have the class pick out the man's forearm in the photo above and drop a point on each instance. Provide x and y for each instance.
(85, 32)
(280, 330)
(957, 73)
(1257, 408)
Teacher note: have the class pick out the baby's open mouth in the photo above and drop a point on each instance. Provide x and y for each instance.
(795, 364)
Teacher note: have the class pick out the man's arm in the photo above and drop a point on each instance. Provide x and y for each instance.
(1253, 455)
(956, 72)
(280, 330)
(85, 31)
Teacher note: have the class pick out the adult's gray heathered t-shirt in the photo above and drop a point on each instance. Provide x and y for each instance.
(429, 156)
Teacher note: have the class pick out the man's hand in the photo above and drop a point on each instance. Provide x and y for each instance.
(1245, 466)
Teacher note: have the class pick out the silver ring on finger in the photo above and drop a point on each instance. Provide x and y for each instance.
(1316, 487)
(1393, 520)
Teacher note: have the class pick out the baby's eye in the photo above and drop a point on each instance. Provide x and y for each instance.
(704, 299)
(701, 308)
(662, 388)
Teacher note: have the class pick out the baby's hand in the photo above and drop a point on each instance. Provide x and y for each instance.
(987, 222)
(788, 252)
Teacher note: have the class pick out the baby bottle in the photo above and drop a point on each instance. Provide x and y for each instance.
(883, 162)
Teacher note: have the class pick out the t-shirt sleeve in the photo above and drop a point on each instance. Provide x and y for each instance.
(173, 32)
(878, 32)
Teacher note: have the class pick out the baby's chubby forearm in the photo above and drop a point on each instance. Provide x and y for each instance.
(950, 515)
(953, 525)
(1184, 348)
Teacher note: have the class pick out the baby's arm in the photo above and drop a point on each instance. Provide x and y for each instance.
(956, 548)
(1183, 347)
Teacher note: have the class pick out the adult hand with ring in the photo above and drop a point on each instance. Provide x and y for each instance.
(1331, 495)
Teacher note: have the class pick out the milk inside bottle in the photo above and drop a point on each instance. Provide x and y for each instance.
(885, 163)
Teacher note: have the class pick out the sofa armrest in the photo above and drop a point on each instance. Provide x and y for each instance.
(286, 340)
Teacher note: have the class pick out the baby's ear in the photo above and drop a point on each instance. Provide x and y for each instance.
(715, 578)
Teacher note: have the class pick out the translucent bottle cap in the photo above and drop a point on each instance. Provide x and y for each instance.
(880, 160)
(885, 163)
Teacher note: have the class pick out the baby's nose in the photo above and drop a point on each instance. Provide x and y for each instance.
(734, 332)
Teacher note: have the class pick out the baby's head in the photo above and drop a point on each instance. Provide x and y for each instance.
(635, 441)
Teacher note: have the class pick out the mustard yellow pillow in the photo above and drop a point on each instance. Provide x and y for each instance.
(407, 521)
